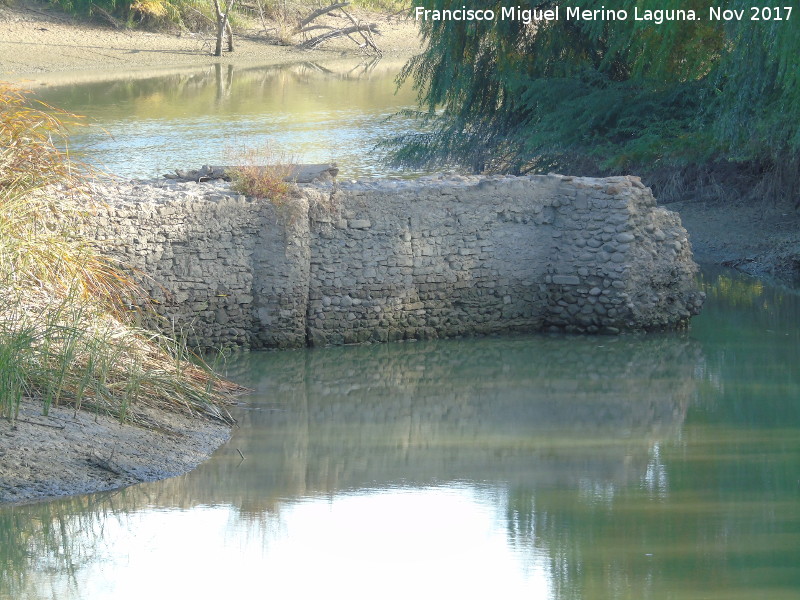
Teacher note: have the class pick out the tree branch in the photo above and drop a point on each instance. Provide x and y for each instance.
(318, 13)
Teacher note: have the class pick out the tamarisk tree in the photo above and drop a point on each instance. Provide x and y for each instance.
(604, 90)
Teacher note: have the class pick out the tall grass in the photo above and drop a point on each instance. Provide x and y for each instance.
(67, 335)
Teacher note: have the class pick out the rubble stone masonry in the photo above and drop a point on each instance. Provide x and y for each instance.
(388, 260)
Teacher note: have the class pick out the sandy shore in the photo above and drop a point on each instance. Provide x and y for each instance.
(37, 39)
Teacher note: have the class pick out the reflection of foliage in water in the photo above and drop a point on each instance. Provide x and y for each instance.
(46, 544)
(751, 342)
(49, 537)
(735, 290)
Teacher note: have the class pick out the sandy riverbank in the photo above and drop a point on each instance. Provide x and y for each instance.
(36, 39)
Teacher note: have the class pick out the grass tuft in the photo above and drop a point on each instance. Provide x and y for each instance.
(67, 335)
(262, 173)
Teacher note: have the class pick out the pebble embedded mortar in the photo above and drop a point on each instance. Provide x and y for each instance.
(387, 260)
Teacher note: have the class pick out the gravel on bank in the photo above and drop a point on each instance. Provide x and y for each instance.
(761, 239)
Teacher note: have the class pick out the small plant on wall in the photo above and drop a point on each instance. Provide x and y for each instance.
(261, 172)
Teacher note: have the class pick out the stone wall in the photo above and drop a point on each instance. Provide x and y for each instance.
(390, 260)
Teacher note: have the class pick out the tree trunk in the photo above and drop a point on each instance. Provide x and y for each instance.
(223, 26)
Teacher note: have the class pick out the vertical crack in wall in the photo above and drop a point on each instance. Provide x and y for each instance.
(382, 261)
(308, 316)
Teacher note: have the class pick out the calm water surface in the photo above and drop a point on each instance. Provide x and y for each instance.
(657, 467)
(308, 112)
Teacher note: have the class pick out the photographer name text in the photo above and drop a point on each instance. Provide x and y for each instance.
(576, 13)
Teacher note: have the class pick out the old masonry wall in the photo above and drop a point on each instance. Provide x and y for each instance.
(389, 260)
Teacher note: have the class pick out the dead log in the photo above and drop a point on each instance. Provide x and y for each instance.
(365, 33)
(315, 27)
(317, 40)
(318, 13)
(300, 173)
(309, 173)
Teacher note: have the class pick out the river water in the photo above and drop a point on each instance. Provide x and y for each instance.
(561, 468)
(304, 113)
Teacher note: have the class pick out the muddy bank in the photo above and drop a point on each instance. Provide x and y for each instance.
(761, 239)
(69, 452)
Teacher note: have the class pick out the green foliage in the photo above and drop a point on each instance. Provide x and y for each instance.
(84, 7)
(385, 6)
(184, 13)
(604, 95)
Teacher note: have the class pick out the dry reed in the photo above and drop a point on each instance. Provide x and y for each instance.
(67, 335)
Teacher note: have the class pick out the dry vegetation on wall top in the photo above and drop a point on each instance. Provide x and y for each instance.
(261, 173)
(66, 334)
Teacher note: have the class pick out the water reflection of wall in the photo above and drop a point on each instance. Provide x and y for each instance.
(527, 411)
(607, 484)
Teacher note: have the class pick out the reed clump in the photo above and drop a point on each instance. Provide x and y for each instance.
(67, 331)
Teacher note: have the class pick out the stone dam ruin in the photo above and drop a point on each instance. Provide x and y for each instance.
(385, 260)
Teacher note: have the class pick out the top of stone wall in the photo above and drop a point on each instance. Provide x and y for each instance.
(610, 185)
(165, 191)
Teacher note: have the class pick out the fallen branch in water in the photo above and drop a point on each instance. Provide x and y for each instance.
(366, 34)
(363, 29)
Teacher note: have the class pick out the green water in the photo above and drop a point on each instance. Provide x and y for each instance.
(306, 112)
(654, 467)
